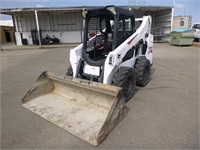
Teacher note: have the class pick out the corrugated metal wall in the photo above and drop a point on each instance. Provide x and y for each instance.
(161, 23)
(66, 25)
(65, 21)
(49, 22)
(163, 20)
(25, 22)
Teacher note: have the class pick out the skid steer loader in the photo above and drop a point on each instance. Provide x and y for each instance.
(115, 55)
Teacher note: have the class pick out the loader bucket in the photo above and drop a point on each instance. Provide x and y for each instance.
(88, 110)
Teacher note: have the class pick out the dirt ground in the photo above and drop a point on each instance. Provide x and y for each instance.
(162, 115)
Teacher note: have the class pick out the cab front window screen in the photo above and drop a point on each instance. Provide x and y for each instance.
(96, 25)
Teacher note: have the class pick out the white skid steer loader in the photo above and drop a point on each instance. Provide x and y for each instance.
(116, 55)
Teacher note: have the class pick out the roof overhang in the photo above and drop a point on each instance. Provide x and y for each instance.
(12, 11)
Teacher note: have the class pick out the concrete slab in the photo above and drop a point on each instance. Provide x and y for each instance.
(12, 46)
(162, 115)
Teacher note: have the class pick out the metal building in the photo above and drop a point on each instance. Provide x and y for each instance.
(65, 23)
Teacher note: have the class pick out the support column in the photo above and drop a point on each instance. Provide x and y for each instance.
(15, 26)
(172, 14)
(38, 28)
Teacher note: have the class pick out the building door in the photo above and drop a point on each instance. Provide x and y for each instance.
(8, 39)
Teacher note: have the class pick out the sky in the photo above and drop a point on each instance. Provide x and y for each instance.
(182, 7)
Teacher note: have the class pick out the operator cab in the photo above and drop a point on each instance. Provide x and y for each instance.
(105, 29)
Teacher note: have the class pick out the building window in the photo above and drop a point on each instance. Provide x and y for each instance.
(181, 23)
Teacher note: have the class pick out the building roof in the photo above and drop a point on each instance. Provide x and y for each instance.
(12, 11)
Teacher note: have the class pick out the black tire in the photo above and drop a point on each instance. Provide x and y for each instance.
(69, 71)
(142, 71)
(197, 39)
(125, 78)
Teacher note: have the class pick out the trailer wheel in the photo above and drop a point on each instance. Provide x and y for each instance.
(125, 78)
(142, 71)
(69, 71)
